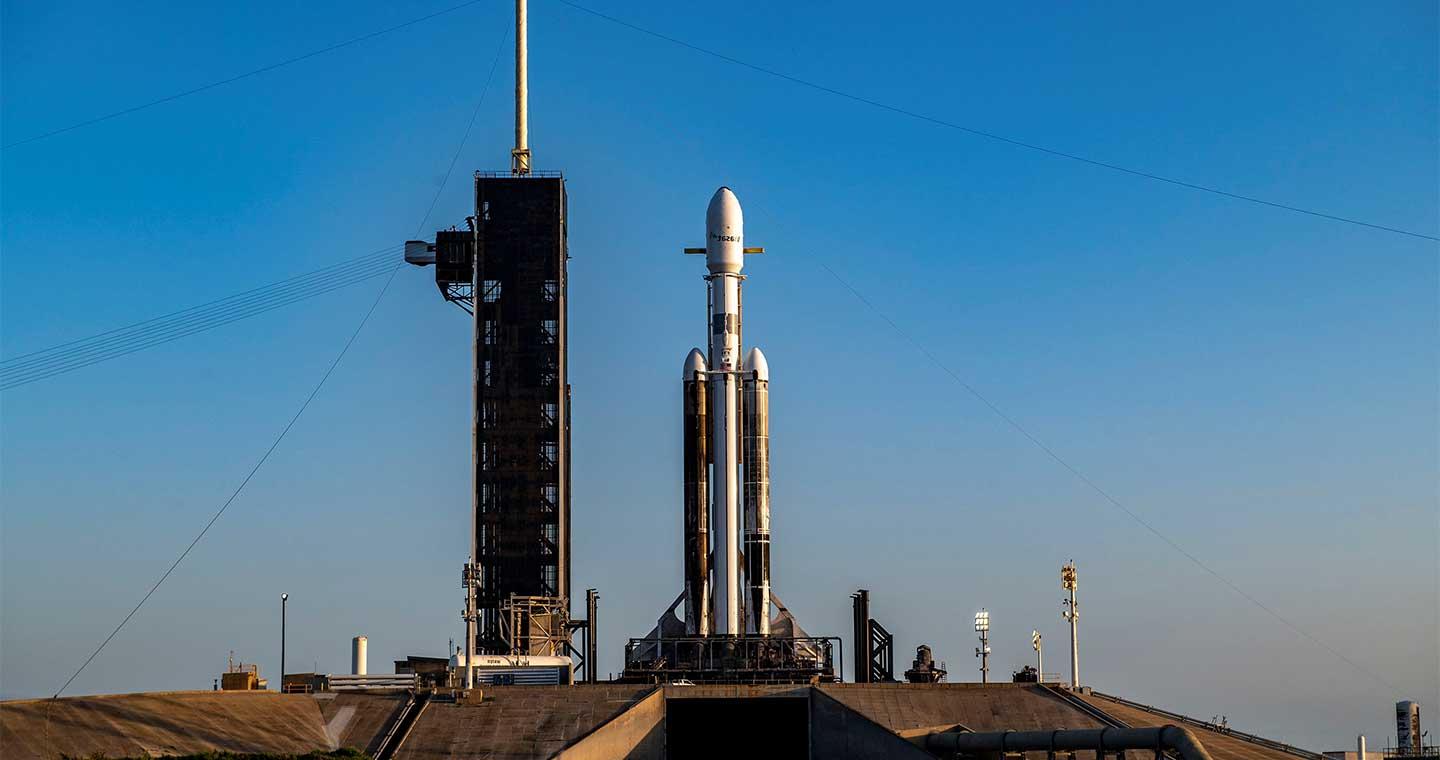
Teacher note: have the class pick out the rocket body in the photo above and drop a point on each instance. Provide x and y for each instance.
(697, 496)
(724, 257)
(727, 428)
(756, 380)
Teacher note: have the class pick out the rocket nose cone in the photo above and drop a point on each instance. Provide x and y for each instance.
(694, 364)
(755, 362)
(724, 232)
(724, 211)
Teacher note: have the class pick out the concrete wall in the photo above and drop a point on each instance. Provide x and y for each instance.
(636, 734)
(836, 732)
(164, 723)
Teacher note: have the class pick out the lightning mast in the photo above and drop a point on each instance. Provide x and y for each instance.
(520, 155)
(508, 273)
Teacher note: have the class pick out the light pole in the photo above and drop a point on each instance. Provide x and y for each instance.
(982, 626)
(1071, 614)
(1039, 657)
(284, 602)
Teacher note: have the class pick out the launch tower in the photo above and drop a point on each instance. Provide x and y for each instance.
(508, 271)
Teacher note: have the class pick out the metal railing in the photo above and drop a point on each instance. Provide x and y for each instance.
(1426, 751)
(378, 681)
(1208, 726)
(534, 174)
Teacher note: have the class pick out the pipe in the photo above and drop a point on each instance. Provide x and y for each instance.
(592, 663)
(1099, 740)
(862, 635)
(468, 574)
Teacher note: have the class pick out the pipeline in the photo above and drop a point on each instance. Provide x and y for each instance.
(1100, 740)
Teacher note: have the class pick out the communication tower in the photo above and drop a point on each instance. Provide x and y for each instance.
(1071, 614)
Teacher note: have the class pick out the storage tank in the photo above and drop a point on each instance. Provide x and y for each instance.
(1407, 726)
(358, 655)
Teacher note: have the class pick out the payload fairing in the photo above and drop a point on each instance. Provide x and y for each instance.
(726, 450)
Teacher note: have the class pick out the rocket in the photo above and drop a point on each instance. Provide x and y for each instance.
(726, 450)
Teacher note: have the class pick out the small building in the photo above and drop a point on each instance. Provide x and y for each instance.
(303, 683)
(242, 677)
(515, 670)
(428, 671)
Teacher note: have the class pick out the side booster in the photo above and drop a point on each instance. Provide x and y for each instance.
(727, 450)
(697, 496)
(756, 380)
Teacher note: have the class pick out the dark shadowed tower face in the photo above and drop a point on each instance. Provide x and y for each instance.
(522, 520)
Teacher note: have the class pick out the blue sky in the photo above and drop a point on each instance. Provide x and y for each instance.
(1260, 386)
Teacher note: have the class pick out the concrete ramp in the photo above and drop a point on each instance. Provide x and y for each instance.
(636, 734)
(1220, 743)
(358, 721)
(517, 721)
(161, 723)
(836, 731)
(900, 707)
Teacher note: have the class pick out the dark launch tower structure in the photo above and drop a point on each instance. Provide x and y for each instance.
(523, 528)
(522, 519)
(508, 271)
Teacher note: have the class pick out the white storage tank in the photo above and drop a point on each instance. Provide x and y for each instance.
(359, 655)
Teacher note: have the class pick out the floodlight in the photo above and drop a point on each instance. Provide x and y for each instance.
(982, 621)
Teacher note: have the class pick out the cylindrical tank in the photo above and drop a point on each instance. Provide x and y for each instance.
(696, 443)
(757, 489)
(358, 655)
(1407, 726)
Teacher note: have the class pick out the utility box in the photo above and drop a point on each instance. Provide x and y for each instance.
(245, 679)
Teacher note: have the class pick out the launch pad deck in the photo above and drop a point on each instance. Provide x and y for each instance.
(731, 660)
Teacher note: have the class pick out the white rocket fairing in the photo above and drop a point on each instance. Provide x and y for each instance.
(726, 407)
